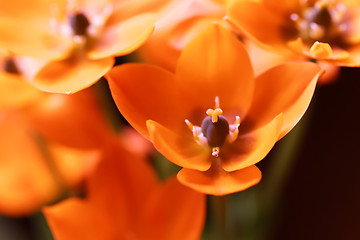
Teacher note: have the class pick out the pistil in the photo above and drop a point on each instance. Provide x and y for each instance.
(215, 129)
(10, 66)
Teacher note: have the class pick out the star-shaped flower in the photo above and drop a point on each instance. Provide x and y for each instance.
(213, 117)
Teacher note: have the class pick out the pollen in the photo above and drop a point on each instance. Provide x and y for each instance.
(215, 129)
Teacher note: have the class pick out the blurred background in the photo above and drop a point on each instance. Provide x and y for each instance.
(311, 182)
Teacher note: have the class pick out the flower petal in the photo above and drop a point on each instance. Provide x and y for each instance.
(41, 10)
(25, 93)
(252, 147)
(71, 75)
(142, 92)
(16, 37)
(123, 38)
(179, 149)
(73, 164)
(253, 17)
(217, 181)
(282, 7)
(73, 120)
(25, 180)
(73, 218)
(120, 185)
(278, 89)
(215, 64)
(179, 213)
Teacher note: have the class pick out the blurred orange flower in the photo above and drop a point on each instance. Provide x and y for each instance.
(218, 157)
(15, 91)
(47, 149)
(125, 201)
(323, 30)
(178, 23)
(79, 39)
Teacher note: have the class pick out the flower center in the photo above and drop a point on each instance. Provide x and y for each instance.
(324, 22)
(10, 66)
(215, 129)
(79, 24)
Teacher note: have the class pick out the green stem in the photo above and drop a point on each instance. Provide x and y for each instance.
(219, 217)
(272, 186)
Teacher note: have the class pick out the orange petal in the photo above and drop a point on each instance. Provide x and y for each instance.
(73, 120)
(28, 38)
(297, 45)
(26, 182)
(142, 92)
(178, 211)
(209, 67)
(181, 150)
(296, 110)
(15, 91)
(124, 37)
(217, 181)
(126, 9)
(263, 59)
(74, 165)
(278, 89)
(41, 10)
(282, 7)
(252, 147)
(120, 184)
(73, 219)
(253, 18)
(331, 74)
(71, 75)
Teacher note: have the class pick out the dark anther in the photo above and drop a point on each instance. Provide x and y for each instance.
(10, 66)
(79, 24)
(217, 132)
(321, 17)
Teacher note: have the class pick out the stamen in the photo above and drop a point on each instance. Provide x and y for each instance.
(217, 102)
(189, 124)
(197, 133)
(234, 130)
(215, 151)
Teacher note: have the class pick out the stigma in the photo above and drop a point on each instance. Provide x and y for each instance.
(215, 129)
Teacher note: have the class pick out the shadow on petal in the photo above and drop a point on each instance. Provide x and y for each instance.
(71, 75)
(252, 147)
(217, 181)
(179, 149)
(123, 38)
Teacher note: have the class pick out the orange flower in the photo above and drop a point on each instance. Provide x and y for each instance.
(81, 40)
(178, 23)
(45, 152)
(324, 30)
(125, 201)
(249, 116)
(15, 91)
